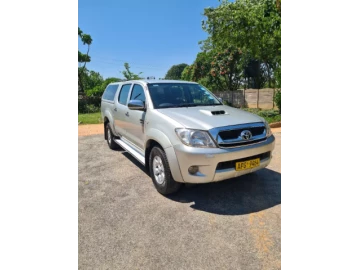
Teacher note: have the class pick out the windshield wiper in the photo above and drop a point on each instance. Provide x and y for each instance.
(209, 104)
(188, 105)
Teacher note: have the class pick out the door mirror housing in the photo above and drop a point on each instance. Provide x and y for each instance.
(136, 105)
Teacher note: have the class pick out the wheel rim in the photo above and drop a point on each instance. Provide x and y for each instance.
(158, 169)
(109, 135)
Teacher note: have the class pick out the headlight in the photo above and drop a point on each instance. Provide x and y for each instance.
(195, 138)
(268, 129)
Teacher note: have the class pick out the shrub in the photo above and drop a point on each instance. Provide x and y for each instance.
(268, 113)
(270, 116)
(252, 110)
(81, 106)
(277, 100)
(91, 108)
(88, 104)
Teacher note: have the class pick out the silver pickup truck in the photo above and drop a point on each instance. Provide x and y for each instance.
(182, 133)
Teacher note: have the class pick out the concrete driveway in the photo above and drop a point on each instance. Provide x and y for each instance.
(124, 223)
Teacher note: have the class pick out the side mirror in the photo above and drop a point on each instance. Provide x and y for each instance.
(221, 100)
(136, 105)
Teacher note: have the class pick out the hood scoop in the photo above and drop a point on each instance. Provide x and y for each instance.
(213, 112)
(217, 112)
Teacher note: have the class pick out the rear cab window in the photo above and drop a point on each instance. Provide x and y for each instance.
(109, 92)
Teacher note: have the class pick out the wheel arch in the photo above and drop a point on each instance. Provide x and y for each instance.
(157, 138)
(106, 121)
(150, 144)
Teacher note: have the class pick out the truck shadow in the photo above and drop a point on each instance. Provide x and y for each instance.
(239, 196)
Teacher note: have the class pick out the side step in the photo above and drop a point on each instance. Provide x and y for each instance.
(131, 151)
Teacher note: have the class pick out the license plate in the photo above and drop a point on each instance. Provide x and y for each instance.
(244, 165)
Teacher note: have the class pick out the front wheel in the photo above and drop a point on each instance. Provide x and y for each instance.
(160, 172)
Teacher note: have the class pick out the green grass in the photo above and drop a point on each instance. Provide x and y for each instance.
(273, 119)
(90, 118)
(271, 116)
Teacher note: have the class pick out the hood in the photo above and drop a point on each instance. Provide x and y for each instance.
(208, 117)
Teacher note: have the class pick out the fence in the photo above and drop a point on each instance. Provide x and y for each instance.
(249, 98)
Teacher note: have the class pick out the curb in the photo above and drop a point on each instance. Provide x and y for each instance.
(275, 125)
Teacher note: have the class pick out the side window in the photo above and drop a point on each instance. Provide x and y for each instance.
(110, 91)
(124, 93)
(138, 93)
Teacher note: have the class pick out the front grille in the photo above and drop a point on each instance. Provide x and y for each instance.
(241, 143)
(231, 164)
(235, 133)
(230, 136)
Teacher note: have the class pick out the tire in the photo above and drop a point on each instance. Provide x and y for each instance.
(110, 138)
(160, 172)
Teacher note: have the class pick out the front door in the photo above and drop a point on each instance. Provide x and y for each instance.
(121, 110)
(135, 119)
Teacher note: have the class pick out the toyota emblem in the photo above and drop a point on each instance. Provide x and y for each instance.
(246, 135)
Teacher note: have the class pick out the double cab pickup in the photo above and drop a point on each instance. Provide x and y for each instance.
(182, 133)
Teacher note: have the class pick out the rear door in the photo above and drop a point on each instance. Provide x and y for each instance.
(135, 119)
(121, 109)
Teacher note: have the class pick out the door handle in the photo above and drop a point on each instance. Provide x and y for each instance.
(127, 113)
(115, 109)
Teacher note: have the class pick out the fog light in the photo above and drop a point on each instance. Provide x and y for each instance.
(193, 169)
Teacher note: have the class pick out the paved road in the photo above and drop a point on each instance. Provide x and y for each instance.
(125, 224)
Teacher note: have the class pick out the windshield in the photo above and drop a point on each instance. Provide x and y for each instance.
(172, 95)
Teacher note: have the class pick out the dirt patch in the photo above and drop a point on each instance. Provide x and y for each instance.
(86, 130)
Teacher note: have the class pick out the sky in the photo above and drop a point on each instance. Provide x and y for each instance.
(151, 35)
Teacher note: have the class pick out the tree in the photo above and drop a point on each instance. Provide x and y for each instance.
(174, 73)
(217, 70)
(99, 89)
(252, 25)
(83, 58)
(277, 99)
(255, 74)
(90, 79)
(227, 69)
(129, 75)
(199, 71)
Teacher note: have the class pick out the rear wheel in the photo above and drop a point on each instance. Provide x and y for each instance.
(110, 138)
(160, 172)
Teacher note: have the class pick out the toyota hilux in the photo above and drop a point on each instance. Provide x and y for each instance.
(182, 133)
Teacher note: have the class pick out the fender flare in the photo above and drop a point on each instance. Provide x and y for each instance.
(158, 136)
(109, 116)
(163, 140)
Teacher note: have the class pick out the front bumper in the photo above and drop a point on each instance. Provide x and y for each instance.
(208, 159)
